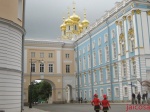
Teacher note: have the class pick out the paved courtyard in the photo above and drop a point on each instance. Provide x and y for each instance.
(88, 108)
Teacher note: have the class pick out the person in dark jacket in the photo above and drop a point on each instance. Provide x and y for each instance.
(143, 98)
(139, 98)
(133, 98)
(105, 104)
(81, 99)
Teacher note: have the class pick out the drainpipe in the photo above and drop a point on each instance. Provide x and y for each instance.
(110, 61)
(22, 66)
(91, 51)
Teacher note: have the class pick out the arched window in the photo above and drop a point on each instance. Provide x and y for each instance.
(122, 45)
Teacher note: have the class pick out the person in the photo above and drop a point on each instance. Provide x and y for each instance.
(81, 99)
(139, 98)
(105, 104)
(85, 101)
(133, 98)
(96, 103)
(143, 98)
(146, 95)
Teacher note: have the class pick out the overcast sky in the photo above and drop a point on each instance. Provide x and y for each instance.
(44, 17)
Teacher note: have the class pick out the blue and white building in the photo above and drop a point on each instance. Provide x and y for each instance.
(115, 52)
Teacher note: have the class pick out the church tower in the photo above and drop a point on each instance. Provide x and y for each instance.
(72, 26)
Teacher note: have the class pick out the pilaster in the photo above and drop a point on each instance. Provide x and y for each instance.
(118, 44)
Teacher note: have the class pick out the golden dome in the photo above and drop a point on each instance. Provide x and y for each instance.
(68, 21)
(85, 22)
(75, 17)
(80, 26)
(63, 26)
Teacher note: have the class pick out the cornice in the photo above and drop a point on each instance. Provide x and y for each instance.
(48, 43)
(12, 24)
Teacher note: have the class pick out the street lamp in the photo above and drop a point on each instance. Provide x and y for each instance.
(31, 84)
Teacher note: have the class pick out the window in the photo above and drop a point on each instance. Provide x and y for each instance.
(115, 72)
(88, 47)
(94, 59)
(100, 56)
(20, 9)
(113, 33)
(124, 69)
(89, 78)
(51, 68)
(116, 92)
(99, 41)
(32, 54)
(122, 46)
(84, 50)
(121, 27)
(50, 55)
(42, 55)
(84, 63)
(67, 55)
(84, 94)
(80, 93)
(85, 79)
(114, 51)
(108, 74)
(101, 92)
(75, 27)
(90, 94)
(80, 64)
(134, 67)
(94, 76)
(125, 91)
(101, 75)
(76, 80)
(107, 54)
(131, 43)
(106, 37)
(67, 68)
(41, 67)
(89, 61)
(69, 27)
(80, 78)
(33, 67)
(109, 92)
(95, 91)
(93, 45)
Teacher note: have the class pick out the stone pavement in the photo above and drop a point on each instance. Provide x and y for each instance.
(27, 109)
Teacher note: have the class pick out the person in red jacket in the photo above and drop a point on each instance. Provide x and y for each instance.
(96, 103)
(105, 104)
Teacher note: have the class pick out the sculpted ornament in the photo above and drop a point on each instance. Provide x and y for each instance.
(131, 31)
(138, 11)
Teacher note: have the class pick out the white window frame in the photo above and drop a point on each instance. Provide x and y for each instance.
(89, 78)
(89, 61)
(41, 54)
(124, 69)
(94, 59)
(108, 92)
(100, 56)
(68, 68)
(115, 69)
(114, 50)
(116, 92)
(107, 53)
(84, 62)
(101, 92)
(101, 75)
(50, 55)
(108, 74)
(99, 41)
(106, 38)
(42, 71)
(124, 92)
(84, 79)
(52, 67)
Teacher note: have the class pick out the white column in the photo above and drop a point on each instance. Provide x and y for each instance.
(58, 62)
(145, 32)
(118, 44)
(120, 80)
(135, 33)
(128, 70)
(126, 36)
(129, 90)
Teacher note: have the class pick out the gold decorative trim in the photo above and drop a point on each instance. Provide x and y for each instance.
(117, 23)
(131, 31)
(124, 18)
(138, 11)
(129, 18)
(132, 12)
(121, 36)
(148, 13)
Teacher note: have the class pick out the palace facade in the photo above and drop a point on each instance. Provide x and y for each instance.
(109, 57)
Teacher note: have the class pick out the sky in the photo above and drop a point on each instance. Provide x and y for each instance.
(44, 17)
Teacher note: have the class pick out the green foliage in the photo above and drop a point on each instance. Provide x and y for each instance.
(41, 91)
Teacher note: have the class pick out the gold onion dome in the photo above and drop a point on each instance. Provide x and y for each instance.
(68, 21)
(63, 26)
(75, 17)
(85, 22)
(80, 26)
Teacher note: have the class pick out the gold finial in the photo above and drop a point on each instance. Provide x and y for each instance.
(74, 11)
(84, 14)
(68, 12)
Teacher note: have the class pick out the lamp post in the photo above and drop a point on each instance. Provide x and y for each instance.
(31, 84)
